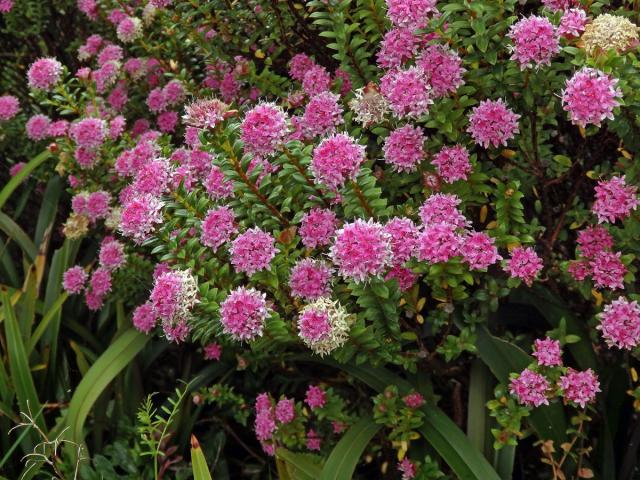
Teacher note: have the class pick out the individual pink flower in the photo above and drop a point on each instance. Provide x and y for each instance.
(530, 388)
(315, 397)
(555, 5)
(438, 243)
(452, 163)
(309, 279)
(547, 352)
(299, 65)
(535, 42)
(411, 13)
(407, 468)
(442, 208)
(404, 276)
(361, 249)
(37, 127)
(316, 80)
(58, 128)
(263, 129)
(336, 159)
(110, 53)
(317, 227)
(98, 205)
(265, 423)
(413, 400)
(89, 8)
(217, 227)
(593, 240)
(6, 6)
(217, 186)
(573, 23)
(44, 73)
(9, 107)
(167, 121)
(313, 440)
(74, 280)
(106, 76)
(524, 264)
(408, 92)
(443, 69)
(608, 271)
(478, 250)
(620, 324)
(89, 132)
(144, 318)
(580, 387)
(111, 254)
(322, 115)
(253, 251)
(140, 216)
(404, 148)
(398, 46)
(91, 47)
(615, 200)
(590, 96)
(173, 92)
(156, 100)
(243, 313)
(212, 351)
(285, 410)
(153, 177)
(229, 87)
(493, 123)
(100, 281)
(403, 239)
(16, 168)
(86, 158)
(93, 300)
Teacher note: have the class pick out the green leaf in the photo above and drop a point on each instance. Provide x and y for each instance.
(15, 182)
(198, 462)
(299, 465)
(15, 233)
(345, 455)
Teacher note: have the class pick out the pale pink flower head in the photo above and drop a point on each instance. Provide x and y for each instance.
(407, 468)
(573, 23)
(90, 48)
(174, 294)
(317, 227)
(547, 352)
(174, 92)
(407, 91)
(144, 318)
(98, 205)
(322, 115)
(243, 314)
(443, 69)
(590, 97)
(403, 238)
(398, 46)
(404, 148)
(530, 388)
(442, 208)
(217, 185)
(524, 264)
(404, 276)
(44, 73)
(315, 397)
(264, 129)
(411, 13)
(438, 243)
(89, 132)
(615, 200)
(316, 80)
(37, 127)
(337, 159)
(361, 249)
(100, 282)
(310, 279)
(111, 254)
(313, 440)
(452, 163)
(167, 121)
(9, 107)
(89, 8)
(74, 280)
(478, 250)
(205, 113)
(156, 100)
(593, 240)
(535, 42)
(608, 271)
(58, 128)
(620, 324)
(140, 216)
(110, 53)
(493, 123)
(285, 410)
(212, 351)
(253, 251)
(129, 29)
(579, 388)
(217, 227)
(299, 65)
(6, 6)
(555, 5)
(116, 127)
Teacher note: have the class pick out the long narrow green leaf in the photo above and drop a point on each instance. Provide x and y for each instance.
(12, 184)
(345, 456)
(49, 208)
(46, 319)
(15, 233)
(102, 372)
(503, 358)
(478, 427)
(198, 462)
(300, 466)
(19, 362)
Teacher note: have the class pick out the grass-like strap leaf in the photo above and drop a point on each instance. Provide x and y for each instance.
(438, 429)
(46, 319)
(15, 233)
(15, 181)
(19, 362)
(345, 455)
(112, 361)
(198, 462)
(300, 466)
(503, 358)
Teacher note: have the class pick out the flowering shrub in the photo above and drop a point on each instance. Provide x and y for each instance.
(376, 203)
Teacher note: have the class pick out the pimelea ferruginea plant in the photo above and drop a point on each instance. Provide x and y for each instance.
(360, 205)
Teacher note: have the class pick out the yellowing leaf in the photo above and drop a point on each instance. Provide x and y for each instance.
(592, 175)
(483, 213)
(259, 54)
(634, 374)
(512, 245)
(507, 153)
(420, 304)
(420, 319)
(598, 296)
(491, 225)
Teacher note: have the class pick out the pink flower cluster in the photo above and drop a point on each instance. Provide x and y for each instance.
(9, 107)
(615, 200)
(608, 271)
(37, 127)
(411, 13)
(74, 280)
(264, 129)
(493, 123)
(573, 23)
(315, 397)
(524, 264)
(620, 324)
(442, 208)
(579, 387)
(408, 92)
(44, 73)
(89, 133)
(403, 239)
(322, 115)
(243, 313)
(140, 216)
(438, 242)
(404, 148)
(317, 227)
(212, 351)
(217, 185)
(309, 279)
(337, 159)
(535, 42)
(217, 227)
(548, 352)
(443, 69)
(452, 163)
(530, 388)
(478, 250)
(111, 255)
(398, 46)
(94, 205)
(314, 325)
(590, 96)
(253, 251)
